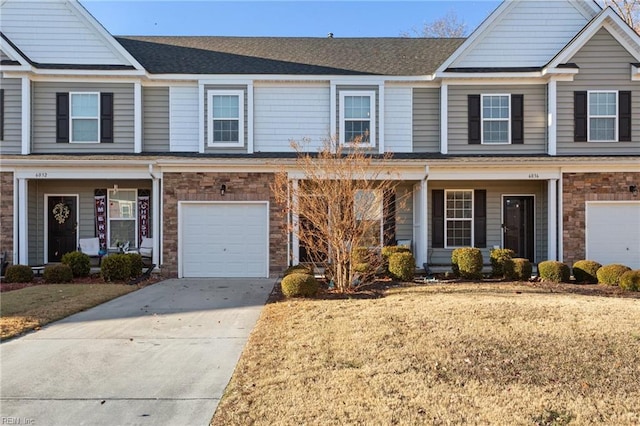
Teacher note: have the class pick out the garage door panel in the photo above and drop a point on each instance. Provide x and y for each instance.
(613, 233)
(224, 240)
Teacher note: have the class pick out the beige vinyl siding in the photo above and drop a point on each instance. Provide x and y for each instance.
(604, 65)
(375, 89)
(12, 141)
(495, 191)
(426, 120)
(44, 117)
(535, 120)
(404, 212)
(155, 119)
(85, 189)
(225, 150)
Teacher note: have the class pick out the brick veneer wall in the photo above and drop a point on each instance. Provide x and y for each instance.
(578, 188)
(6, 213)
(206, 187)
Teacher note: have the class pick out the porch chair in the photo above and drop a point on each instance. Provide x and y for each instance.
(90, 247)
(145, 250)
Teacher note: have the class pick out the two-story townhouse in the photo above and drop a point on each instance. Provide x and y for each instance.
(521, 136)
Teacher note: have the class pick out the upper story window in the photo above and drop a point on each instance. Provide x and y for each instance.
(357, 117)
(226, 118)
(85, 117)
(602, 116)
(495, 119)
(458, 218)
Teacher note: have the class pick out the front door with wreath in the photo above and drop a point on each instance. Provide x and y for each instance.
(61, 226)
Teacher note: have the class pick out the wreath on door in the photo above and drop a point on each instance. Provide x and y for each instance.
(60, 213)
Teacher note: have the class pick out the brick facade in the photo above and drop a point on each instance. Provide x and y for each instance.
(6, 213)
(206, 187)
(578, 188)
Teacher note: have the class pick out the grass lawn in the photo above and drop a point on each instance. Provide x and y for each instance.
(499, 353)
(32, 307)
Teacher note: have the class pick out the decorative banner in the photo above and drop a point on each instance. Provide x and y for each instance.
(143, 215)
(101, 217)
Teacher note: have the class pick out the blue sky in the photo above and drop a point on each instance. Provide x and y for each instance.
(300, 18)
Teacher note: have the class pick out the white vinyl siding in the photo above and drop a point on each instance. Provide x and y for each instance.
(357, 111)
(63, 35)
(291, 112)
(183, 119)
(226, 118)
(398, 121)
(84, 117)
(155, 119)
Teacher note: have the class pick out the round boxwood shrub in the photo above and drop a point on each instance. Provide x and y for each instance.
(18, 274)
(610, 274)
(554, 271)
(116, 267)
(387, 251)
(467, 262)
(630, 280)
(585, 271)
(402, 266)
(300, 269)
(498, 258)
(58, 274)
(135, 261)
(299, 285)
(518, 269)
(79, 262)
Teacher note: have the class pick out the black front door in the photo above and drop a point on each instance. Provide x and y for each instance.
(61, 224)
(518, 225)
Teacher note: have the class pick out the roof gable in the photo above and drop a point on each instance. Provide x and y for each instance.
(523, 34)
(60, 32)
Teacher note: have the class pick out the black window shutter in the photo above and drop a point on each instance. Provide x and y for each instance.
(437, 218)
(580, 116)
(106, 117)
(517, 119)
(389, 221)
(480, 218)
(624, 116)
(1, 114)
(473, 110)
(62, 117)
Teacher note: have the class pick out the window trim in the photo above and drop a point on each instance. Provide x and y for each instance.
(378, 194)
(372, 119)
(210, 119)
(482, 119)
(616, 129)
(471, 220)
(97, 117)
(110, 192)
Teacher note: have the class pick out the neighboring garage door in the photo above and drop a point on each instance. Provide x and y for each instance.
(613, 233)
(224, 239)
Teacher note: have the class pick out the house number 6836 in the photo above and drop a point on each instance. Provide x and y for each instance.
(41, 174)
(533, 176)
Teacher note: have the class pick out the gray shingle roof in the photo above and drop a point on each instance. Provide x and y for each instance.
(285, 55)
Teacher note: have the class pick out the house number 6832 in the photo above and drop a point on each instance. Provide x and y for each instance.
(41, 174)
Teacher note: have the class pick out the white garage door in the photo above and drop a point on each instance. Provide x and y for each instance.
(224, 239)
(613, 233)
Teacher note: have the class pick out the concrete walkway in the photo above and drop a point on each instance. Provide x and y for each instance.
(162, 355)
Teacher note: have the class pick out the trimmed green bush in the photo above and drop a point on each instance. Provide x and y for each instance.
(554, 271)
(18, 274)
(585, 271)
(610, 274)
(116, 267)
(387, 251)
(467, 262)
(498, 259)
(300, 269)
(630, 280)
(402, 266)
(136, 265)
(79, 263)
(299, 285)
(58, 274)
(518, 269)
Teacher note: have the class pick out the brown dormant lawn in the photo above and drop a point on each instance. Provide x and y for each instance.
(32, 307)
(500, 353)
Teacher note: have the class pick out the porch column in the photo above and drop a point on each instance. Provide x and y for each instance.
(553, 117)
(157, 217)
(552, 219)
(420, 229)
(444, 118)
(22, 213)
(294, 225)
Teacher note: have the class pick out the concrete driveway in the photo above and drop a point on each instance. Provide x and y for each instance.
(162, 355)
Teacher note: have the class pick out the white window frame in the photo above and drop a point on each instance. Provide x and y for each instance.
(210, 119)
(71, 116)
(447, 219)
(483, 119)
(616, 116)
(372, 118)
(377, 194)
(110, 193)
